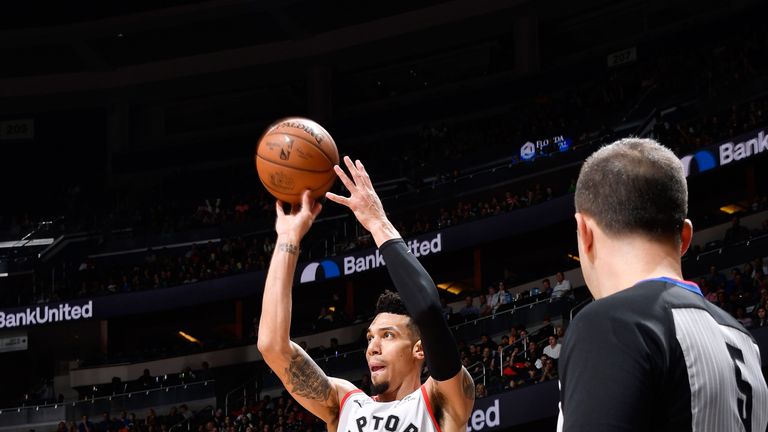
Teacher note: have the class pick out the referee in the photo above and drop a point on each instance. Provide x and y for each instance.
(650, 354)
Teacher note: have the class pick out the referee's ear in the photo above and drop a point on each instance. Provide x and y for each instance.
(584, 234)
(686, 236)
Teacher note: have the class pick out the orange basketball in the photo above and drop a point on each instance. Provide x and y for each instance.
(295, 154)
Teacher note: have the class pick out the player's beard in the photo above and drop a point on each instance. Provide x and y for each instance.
(377, 389)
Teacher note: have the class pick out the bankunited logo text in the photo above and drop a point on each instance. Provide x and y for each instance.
(480, 420)
(375, 260)
(356, 264)
(46, 314)
(330, 271)
(725, 153)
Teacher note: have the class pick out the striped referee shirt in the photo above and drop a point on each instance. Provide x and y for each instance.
(660, 357)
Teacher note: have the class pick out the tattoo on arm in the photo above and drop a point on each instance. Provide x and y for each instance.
(289, 248)
(468, 384)
(307, 379)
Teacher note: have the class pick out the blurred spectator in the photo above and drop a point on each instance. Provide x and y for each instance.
(548, 371)
(204, 374)
(505, 298)
(485, 308)
(494, 300)
(760, 318)
(447, 310)
(469, 311)
(105, 424)
(546, 288)
(736, 233)
(562, 288)
(553, 348)
(545, 331)
(85, 425)
(145, 380)
(186, 414)
(480, 391)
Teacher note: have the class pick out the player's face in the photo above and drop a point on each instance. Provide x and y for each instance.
(392, 352)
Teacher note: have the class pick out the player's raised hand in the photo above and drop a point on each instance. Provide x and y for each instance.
(363, 200)
(296, 223)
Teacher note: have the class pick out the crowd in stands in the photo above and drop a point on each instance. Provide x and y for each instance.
(502, 362)
(248, 253)
(163, 267)
(151, 422)
(514, 360)
(687, 136)
(517, 360)
(743, 293)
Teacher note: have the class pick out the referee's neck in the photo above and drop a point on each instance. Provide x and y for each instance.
(620, 263)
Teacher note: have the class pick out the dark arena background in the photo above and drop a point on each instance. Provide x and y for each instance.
(135, 234)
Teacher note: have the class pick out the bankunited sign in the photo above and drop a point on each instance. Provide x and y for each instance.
(738, 148)
(355, 263)
(62, 312)
(242, 285)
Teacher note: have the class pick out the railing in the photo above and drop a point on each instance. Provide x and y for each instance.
(188, 422)
(51, 413)
(508, 347)
(244, 388)
(502, 313)
(579, 306)
(472, 366)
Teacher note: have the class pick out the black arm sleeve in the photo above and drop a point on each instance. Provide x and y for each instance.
(419, 294)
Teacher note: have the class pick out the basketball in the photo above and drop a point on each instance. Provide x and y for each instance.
(295, 154)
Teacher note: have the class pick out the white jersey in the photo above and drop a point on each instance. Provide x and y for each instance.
(413, 413)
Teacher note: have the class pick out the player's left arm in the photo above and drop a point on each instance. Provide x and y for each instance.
(449, 385)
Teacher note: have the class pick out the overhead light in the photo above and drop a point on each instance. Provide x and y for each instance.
(451, 287)
(574, 257)
(731, 208)
(188, 337)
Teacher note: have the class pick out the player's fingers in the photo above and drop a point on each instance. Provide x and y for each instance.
(352, 170)
(350, 185)
(316, 210)
(363, 173)
(306, 201)
(338, 199)
(279, 208)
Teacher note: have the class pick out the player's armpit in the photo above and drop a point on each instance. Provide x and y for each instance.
(455, 396)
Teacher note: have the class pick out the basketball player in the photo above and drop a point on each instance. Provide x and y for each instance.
(403, 335)
(650, 354)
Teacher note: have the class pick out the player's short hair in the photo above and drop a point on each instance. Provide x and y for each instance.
(634, 186)
(390, 302)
